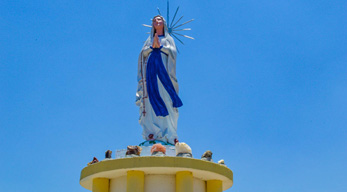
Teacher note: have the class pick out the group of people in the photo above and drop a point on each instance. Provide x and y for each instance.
(159, 150)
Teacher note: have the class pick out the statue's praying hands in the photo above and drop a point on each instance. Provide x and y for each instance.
(156, 42)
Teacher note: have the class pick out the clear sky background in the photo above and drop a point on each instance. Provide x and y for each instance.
(264, 86)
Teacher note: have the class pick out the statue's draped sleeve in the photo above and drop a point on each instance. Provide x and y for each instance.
(169, 48)
(141, 73)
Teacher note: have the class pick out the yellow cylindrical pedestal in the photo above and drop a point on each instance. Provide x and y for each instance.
(214, 186)
(135, 181)
(101, 185)
(184, 181)
(156, 174)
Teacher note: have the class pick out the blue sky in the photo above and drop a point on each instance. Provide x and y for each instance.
(264, 86)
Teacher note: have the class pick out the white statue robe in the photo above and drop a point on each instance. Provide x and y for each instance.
(162, 128)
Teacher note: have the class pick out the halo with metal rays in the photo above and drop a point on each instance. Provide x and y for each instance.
(175, 26)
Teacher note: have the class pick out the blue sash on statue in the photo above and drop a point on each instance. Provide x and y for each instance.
(155, 68)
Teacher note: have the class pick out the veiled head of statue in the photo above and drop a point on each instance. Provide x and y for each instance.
(158, 23)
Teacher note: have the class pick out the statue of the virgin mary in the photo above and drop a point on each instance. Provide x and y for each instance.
(157, 92)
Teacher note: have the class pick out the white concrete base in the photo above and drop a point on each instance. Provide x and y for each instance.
(199, 185)
(159, 183)
(118, 184)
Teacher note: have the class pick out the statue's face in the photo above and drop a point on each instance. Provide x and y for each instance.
(158, 23)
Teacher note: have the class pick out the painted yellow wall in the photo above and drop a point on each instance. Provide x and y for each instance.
(184, 181)
(135, 181)
(214, 186)
(101, 185)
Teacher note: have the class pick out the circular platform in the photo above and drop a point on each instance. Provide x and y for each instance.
(115, 168)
